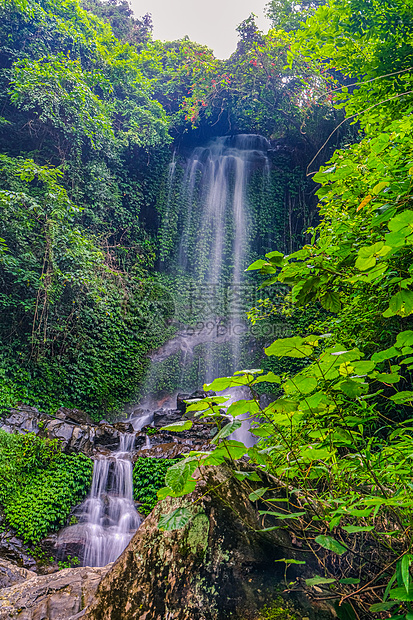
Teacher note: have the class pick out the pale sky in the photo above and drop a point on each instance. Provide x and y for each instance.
(210, 22)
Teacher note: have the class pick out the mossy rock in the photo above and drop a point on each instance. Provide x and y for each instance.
(278, 610)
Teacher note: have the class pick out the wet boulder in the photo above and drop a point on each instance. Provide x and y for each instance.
(11, 574)
(107, 435)
(15, 550)
(124, 427)
(59, 596)
(74, 415)
(74, 437)
(163, 417)
(180, 402)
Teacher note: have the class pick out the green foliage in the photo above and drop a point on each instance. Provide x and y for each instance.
(71, 562)
(120, 16)
(288, 15)
(79, 124)
(81, 328)
(278, 610)
(148, 478)
(38, 484)
(369, 44)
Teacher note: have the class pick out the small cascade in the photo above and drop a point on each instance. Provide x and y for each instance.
(109, 513)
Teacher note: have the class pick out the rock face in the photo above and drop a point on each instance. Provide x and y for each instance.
(217, 567)
(13, 550)
(77, 433)
(59, 596)
(71, 426)
(10, 574)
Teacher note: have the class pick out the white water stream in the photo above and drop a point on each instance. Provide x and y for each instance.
(109, 511)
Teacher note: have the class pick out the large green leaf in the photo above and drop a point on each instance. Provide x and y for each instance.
(331, 301)
(319, 581)
(240, 407)
(270, 377)
(377, 607)
(363, 367)
(178, 475)
(189, 486)
(182, 425)
(256, 265)
(227, 430)
(388, 377)
(275, 258)
(290, 347)
(223, 383)
(402, 222)
(282, 515)
(404, 339)
(387, 354)
(175, 520)
(405, 570)
(367, 256)
(300, 384)
(228, 449)
(353, 389)
(401, 303)
(400, 594)
(250, 475)
(353, 529)
(404, 396)
(257, 494)
(331, 544)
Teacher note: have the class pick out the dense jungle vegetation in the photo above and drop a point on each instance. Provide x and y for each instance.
(92, 108)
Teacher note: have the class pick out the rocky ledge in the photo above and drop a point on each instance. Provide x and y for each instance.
(60, 596)
(220, 565)
(78, 433)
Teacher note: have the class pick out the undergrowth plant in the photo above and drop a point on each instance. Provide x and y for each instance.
(39, 485)
(148, 478)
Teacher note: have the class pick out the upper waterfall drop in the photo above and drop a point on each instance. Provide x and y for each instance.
(213, 227)
(217, 221)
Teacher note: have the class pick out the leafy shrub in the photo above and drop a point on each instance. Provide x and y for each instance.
(38, 484)
(148, 478)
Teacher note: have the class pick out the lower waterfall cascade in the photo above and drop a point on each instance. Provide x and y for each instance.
(109, 513)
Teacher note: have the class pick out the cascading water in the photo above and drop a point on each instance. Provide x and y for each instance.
(216, 228)
(109, 512)
(207, 207)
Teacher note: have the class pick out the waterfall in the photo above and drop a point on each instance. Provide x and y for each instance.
(216, 228)
(109, 512)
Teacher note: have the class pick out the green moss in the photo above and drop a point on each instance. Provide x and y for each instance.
(38, 484)
(148, 478)
(196, 540)
(278, 610)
